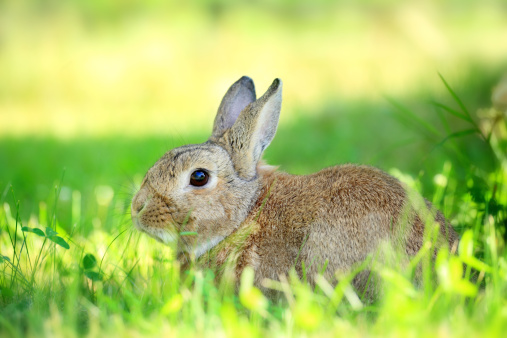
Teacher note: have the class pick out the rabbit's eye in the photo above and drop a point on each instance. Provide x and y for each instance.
(199, 178)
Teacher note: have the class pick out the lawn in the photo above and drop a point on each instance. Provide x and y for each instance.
(93, 95)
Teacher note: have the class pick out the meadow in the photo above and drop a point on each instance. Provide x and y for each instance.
(93, 93)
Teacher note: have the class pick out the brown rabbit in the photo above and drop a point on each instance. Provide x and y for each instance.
(241, 211)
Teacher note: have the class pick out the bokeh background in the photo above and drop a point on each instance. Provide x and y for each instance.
(97, 67)
(95, 91)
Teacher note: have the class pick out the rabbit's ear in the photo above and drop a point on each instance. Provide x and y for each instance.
(253, 131)
(239, 95)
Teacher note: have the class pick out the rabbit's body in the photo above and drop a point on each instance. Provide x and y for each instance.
(249, 214)
(332, 227)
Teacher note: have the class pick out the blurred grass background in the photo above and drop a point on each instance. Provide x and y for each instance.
(101, 89)
(72, 68)
(93, 92)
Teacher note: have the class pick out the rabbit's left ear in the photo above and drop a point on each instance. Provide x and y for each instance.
(253, 131)
(239, 95)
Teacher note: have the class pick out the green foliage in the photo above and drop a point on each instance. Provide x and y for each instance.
(50, 234)
(35, 231)
(73, 265)
(70, 262)
(89, 261)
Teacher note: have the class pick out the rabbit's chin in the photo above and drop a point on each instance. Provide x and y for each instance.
(164, 236)
(206, 246)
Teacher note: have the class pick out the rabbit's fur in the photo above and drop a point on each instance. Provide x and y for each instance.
(252, 215)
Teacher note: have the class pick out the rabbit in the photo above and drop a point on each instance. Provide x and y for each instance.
(235, 209)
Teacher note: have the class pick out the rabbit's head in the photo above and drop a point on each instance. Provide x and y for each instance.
(201, 193)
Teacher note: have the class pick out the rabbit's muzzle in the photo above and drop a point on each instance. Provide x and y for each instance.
(152, 215)
(150, 210)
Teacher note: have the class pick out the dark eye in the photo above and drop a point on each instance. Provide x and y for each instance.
(199, 178)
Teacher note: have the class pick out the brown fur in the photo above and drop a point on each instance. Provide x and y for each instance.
(250, 214)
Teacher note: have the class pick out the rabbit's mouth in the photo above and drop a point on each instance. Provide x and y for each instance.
(162, 235)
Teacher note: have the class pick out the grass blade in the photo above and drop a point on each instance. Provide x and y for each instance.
(413, 118)
(456, 134)
(456, 98)
(452, 111)
(107, 249)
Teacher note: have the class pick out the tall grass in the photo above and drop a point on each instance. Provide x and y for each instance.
(60, 280)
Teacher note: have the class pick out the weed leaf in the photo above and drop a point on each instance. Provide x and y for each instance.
(477, 195)
(188, 233)
(60, 241)
(89, 261)
(36, 231)
(50, 232)
(494, 207)
(94, 276)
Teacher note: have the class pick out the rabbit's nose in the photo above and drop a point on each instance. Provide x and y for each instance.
(138, 205)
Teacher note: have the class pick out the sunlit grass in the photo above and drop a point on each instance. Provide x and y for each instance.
(93, 92)
(91, 273)
(116, 281)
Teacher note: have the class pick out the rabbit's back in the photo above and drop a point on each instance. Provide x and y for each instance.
(332, 219)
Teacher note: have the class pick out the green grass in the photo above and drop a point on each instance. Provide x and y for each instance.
(94, 92)
(98, 276)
